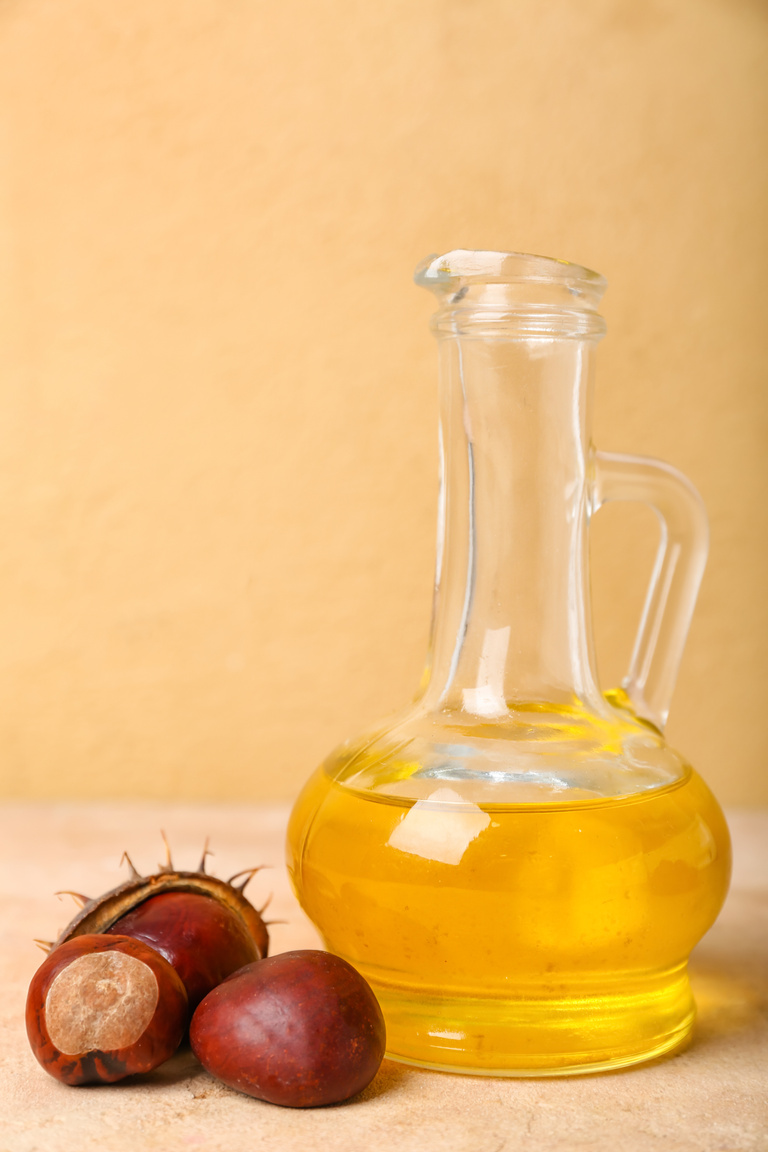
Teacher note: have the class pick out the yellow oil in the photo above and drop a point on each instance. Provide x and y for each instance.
(527, 939)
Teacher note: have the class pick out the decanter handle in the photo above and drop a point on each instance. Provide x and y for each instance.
(676, 577)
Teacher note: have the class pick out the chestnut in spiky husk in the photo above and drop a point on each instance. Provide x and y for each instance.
(299, 1029)
(101, 1008)
(204, 940)
(203, 926)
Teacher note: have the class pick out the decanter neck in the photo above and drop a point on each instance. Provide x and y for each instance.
(511, 623)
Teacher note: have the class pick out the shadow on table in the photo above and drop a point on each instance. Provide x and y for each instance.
(184, 1066)
(729, 975)
(390, 1077)
(726, 1004)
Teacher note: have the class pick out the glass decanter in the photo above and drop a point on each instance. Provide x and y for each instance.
(519, 863)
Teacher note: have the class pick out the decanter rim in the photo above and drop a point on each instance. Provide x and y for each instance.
(448, 274)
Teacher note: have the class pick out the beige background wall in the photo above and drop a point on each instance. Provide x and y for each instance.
(217, 402)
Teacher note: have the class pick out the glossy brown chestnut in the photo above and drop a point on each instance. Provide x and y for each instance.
(203, 939)
(104, 1007)
(298, 1029)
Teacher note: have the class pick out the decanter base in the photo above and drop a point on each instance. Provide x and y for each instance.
(539, 1036)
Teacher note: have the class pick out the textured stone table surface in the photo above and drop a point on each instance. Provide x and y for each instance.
(711, 1098)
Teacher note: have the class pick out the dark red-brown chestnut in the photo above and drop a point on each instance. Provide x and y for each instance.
(203, 939)
(101, 1007)
(299, 1029)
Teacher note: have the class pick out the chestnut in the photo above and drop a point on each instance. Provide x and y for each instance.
(300, 1029)
(102, 1007)
(203, 939)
